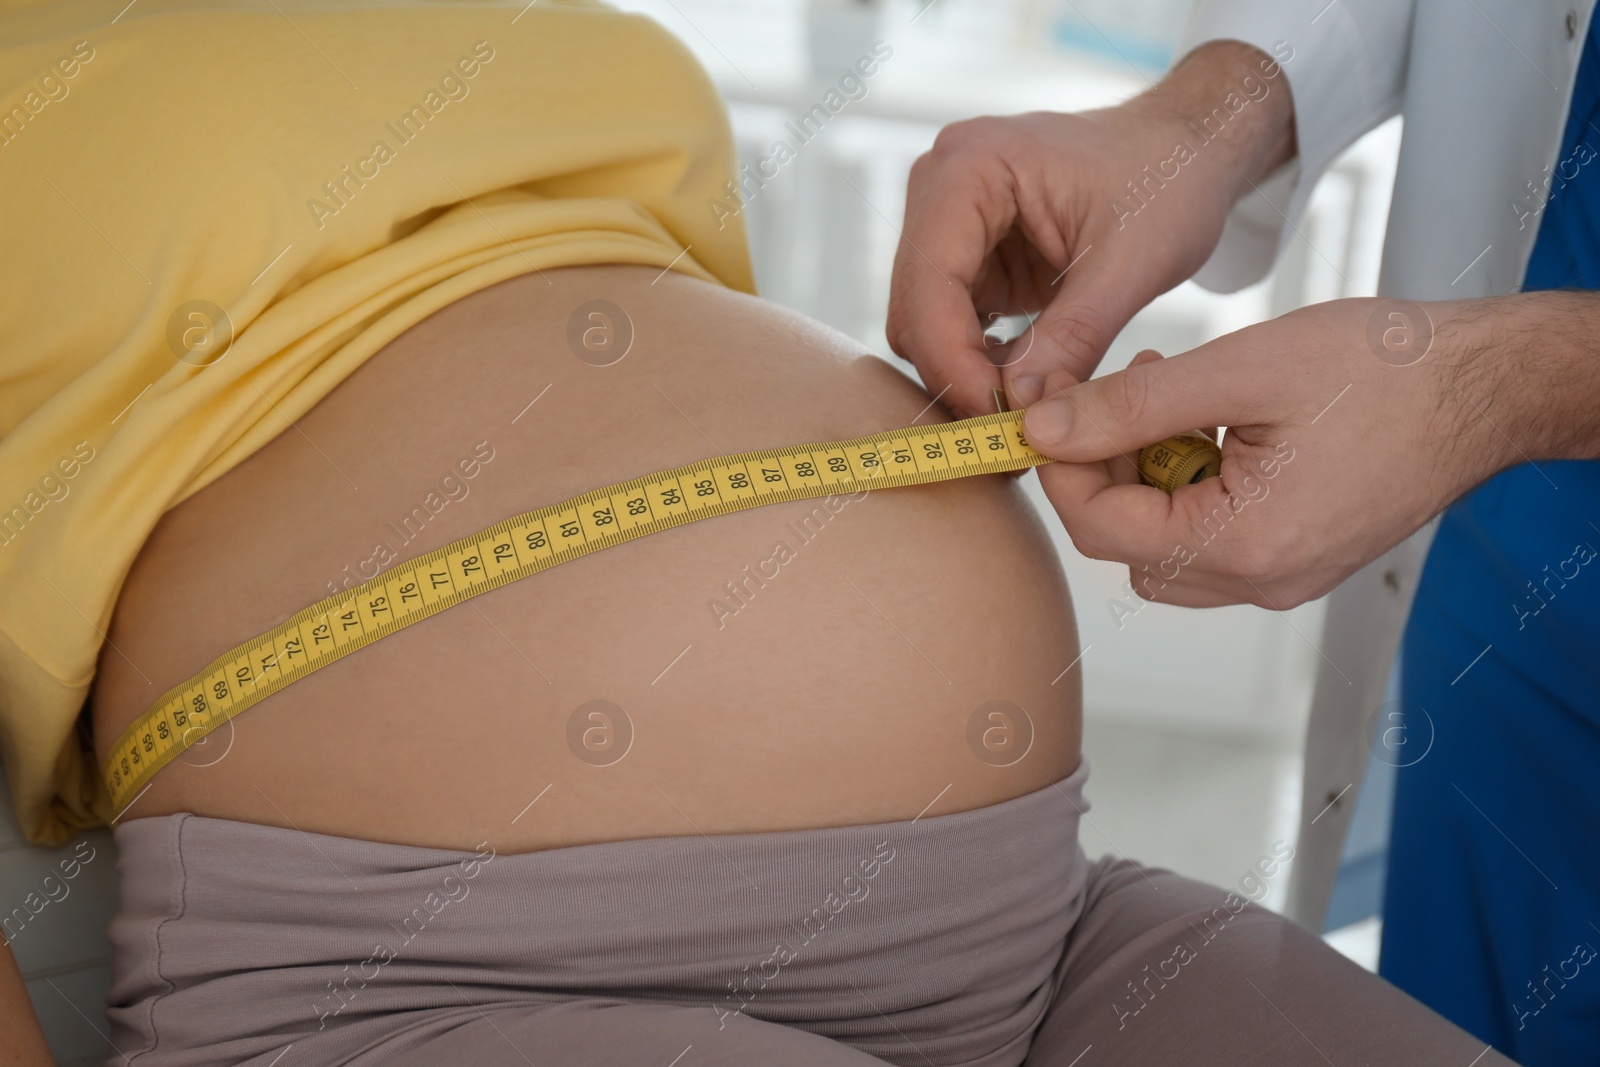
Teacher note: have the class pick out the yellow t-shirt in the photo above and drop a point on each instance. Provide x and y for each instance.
(214, 213)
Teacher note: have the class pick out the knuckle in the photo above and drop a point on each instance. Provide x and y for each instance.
(1142, 589)
(1275, 596)
(1299, 584)
(959, 137)
(1089, 544)
(898, 347)
(978, 146)
(907, 308)
(896, 329)
(1127, 395)
(1079, 332)
(1295, 595)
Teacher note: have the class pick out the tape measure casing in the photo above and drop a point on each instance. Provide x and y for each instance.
(1181, 460)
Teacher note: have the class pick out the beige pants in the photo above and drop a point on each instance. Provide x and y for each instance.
(982, 938)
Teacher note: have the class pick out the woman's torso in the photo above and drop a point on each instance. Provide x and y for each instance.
(843, 680)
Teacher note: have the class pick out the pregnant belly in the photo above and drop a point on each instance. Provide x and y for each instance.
(817, 663)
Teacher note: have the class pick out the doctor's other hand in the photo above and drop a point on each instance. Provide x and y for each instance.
(1087, 217)
(1350, 425)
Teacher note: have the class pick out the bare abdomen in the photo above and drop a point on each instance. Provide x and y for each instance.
(810, 664)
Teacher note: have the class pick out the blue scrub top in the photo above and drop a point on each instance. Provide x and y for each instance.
(1493, 894)
(1515, 562)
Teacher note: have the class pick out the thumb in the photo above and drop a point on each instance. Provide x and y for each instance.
(1120, 413)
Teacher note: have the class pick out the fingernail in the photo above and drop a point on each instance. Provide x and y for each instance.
(1026, 390)
(1049, 421)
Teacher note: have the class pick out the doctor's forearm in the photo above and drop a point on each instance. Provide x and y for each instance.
(1524, 377)
(1239, 98)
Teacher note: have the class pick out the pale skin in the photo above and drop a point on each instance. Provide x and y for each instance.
(1002, 206)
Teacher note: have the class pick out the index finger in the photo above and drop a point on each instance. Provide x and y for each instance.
(955, 215)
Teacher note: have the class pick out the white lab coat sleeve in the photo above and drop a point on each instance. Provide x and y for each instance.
(1345, 61)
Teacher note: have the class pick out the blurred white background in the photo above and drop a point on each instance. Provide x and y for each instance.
(1195, 720)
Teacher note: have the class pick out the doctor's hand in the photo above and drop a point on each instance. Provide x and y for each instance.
(1350, 424)
(1086, 217)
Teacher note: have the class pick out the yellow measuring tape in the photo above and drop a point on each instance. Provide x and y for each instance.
(526, 544)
